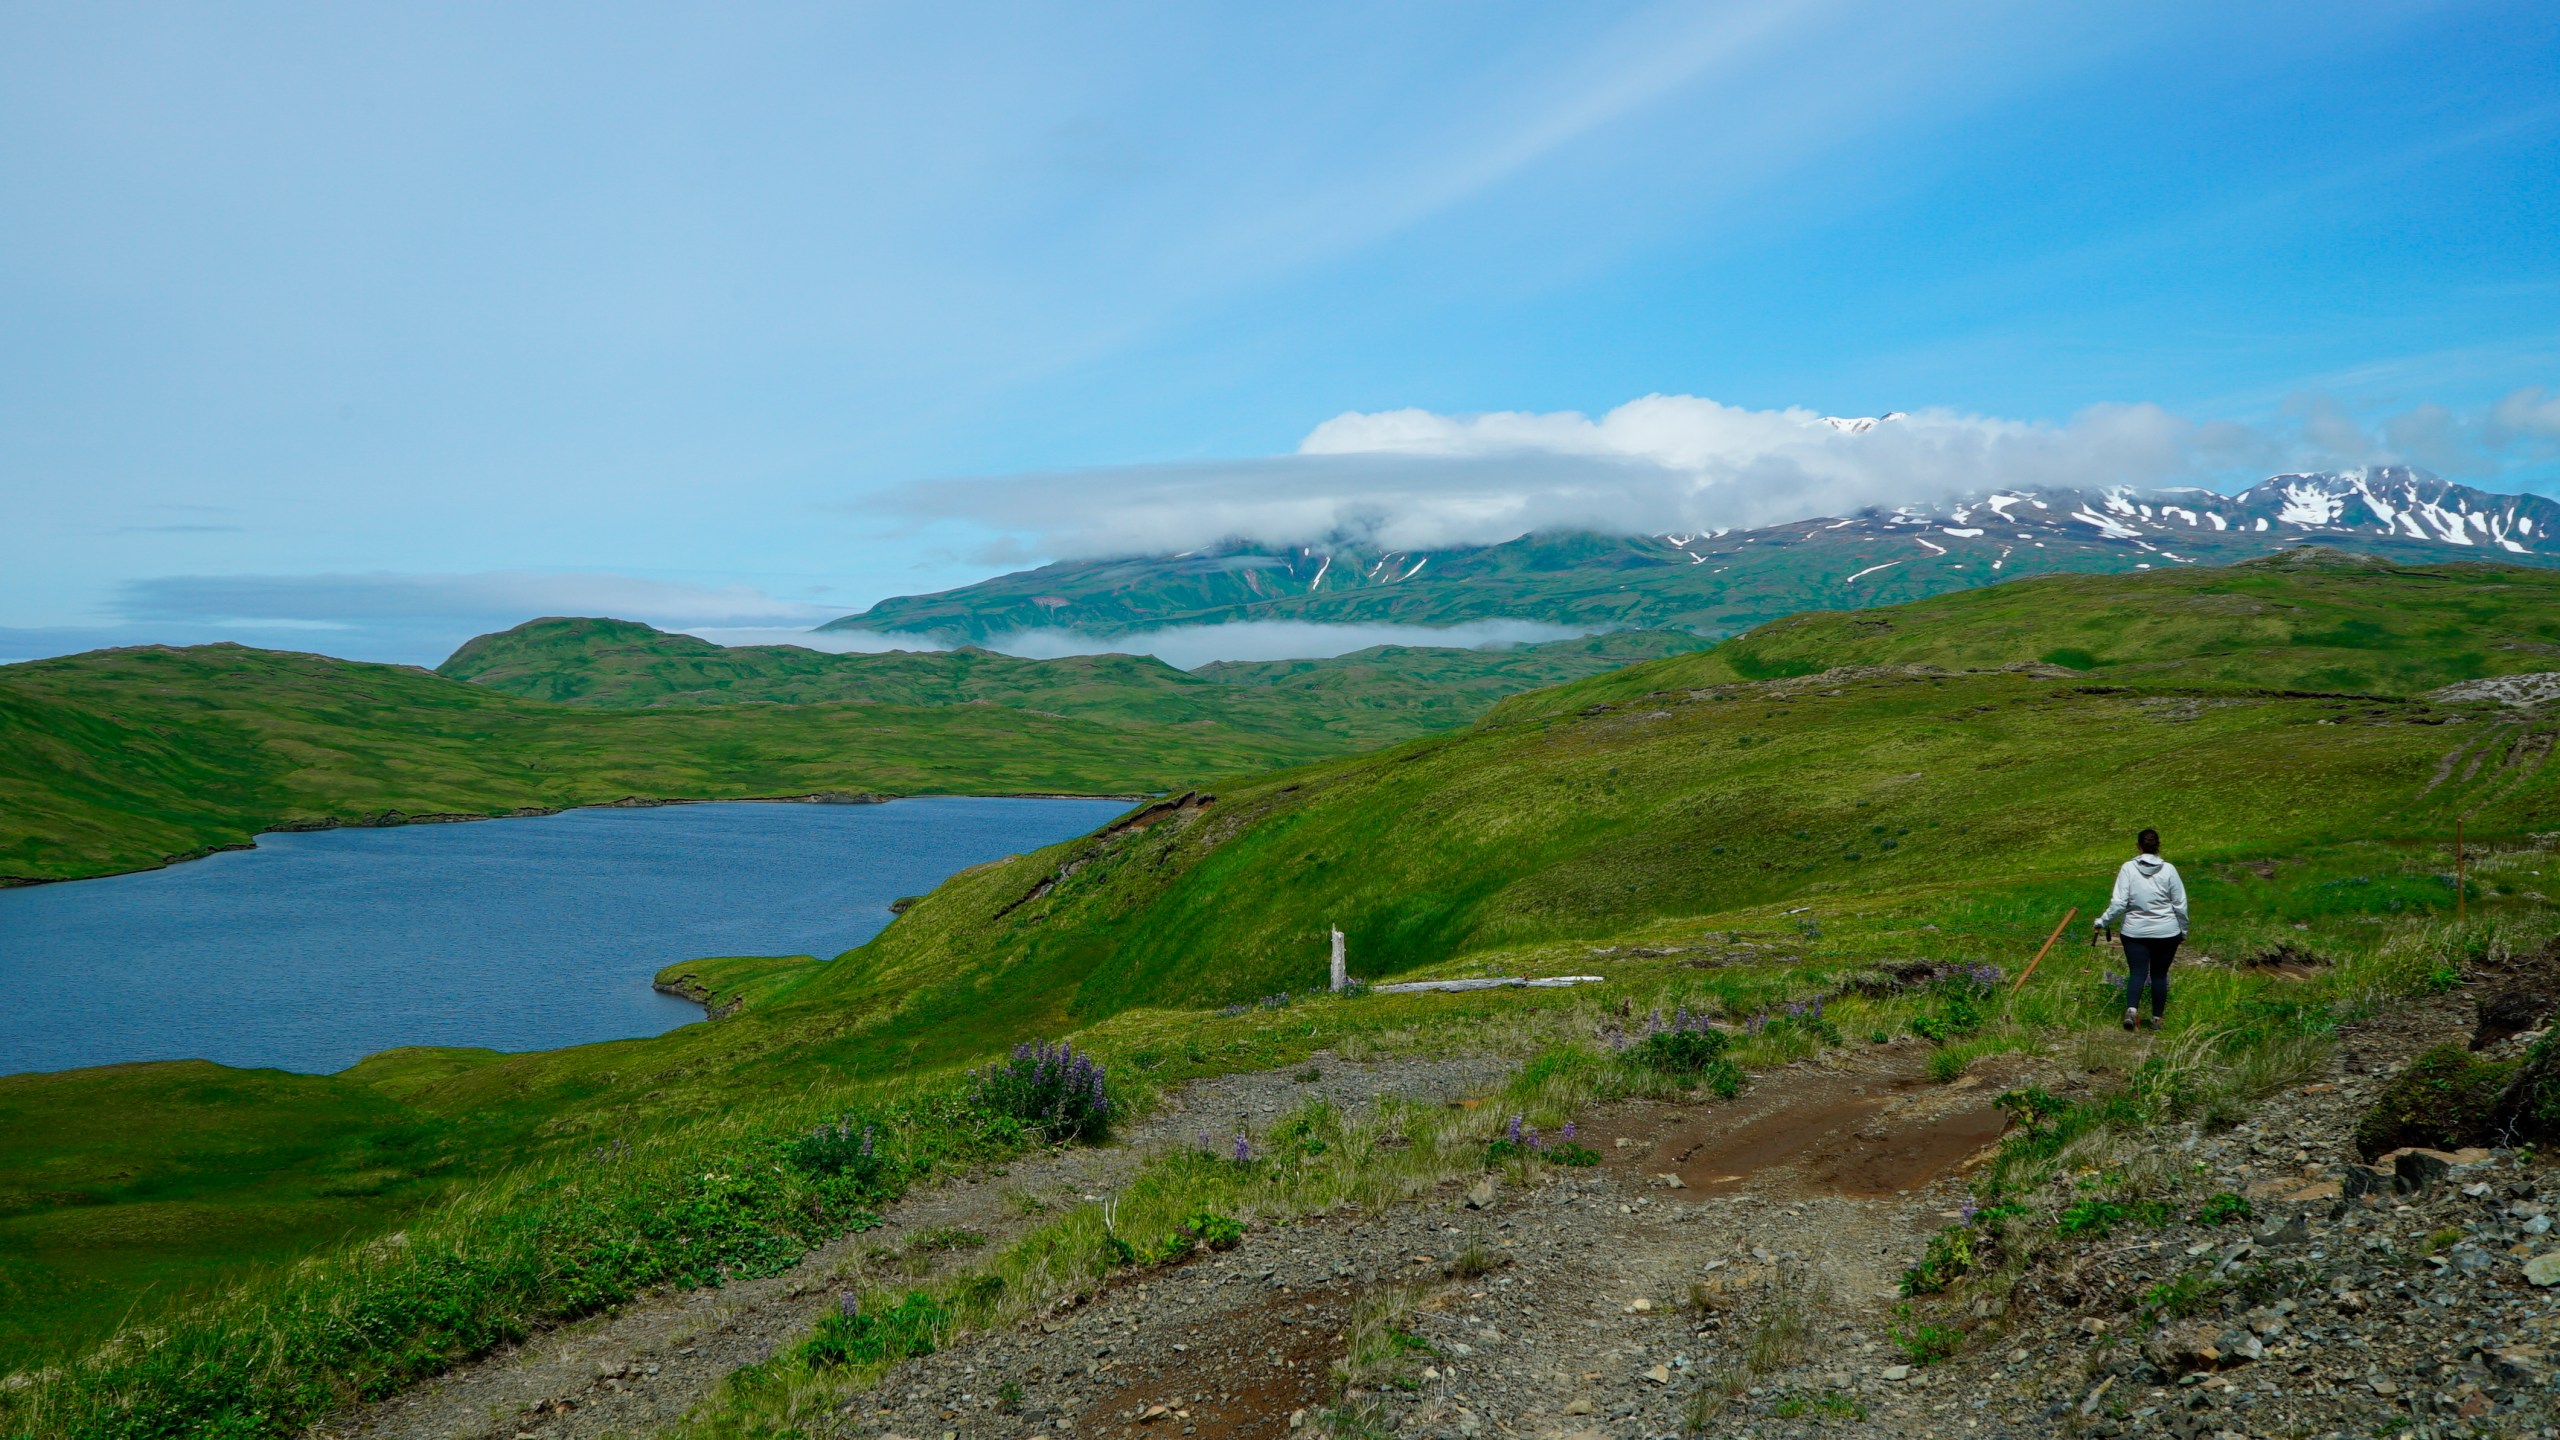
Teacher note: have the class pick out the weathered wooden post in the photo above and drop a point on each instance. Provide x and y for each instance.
(1341, 967)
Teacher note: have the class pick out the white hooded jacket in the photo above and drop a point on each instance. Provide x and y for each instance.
(2150, 897)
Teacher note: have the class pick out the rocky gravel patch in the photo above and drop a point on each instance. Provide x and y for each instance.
(638, 1370)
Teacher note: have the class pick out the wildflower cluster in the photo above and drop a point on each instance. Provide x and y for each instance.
(1686, 1046)
(1524, 1141)
(1050, 1090)
(1961, 1000)
(1681, 1023)
(840, 1151)
(1796, 1018)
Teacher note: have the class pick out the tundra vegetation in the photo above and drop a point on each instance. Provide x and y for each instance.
(1810, 860)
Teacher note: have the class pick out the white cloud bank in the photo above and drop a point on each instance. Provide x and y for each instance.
(1415, 480)
(1419, 480)
(1187, 647)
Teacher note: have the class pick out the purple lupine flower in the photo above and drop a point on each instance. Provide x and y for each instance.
(849, 1305)
(866, 1142)
(1513, 1133)
(1244, 1149)
(1207, 1144)
(1568, 1132)
(1535, 1141)
(1971, 1210)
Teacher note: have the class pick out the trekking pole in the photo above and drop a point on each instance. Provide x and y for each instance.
(2048, 944)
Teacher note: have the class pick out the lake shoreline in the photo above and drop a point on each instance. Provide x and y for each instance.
(319, 949)
(393, 819)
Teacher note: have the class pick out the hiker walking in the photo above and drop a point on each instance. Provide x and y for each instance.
(2153, 901)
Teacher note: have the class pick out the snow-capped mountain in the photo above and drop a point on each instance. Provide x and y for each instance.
(1720, 582)
(2346, 508)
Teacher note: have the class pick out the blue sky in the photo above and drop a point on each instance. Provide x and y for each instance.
(364, 328)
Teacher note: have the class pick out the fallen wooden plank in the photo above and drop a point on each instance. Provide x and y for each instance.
(1407, 987)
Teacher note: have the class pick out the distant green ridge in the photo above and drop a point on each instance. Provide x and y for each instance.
(1371, 697)
(127, 759)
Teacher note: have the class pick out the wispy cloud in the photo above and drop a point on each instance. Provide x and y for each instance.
(405, 618)
(491, 598)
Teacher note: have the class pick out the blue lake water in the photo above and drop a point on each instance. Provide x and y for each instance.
(315, 950)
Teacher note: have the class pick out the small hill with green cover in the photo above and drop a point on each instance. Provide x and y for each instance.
(2306, 619)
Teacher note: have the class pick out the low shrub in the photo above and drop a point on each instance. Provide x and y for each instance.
(1201, 1230)
(851, 1335)
(1924, 1343)
(2094, 1218)
(2226, 1209)
(1050, 1090)
(1519, 1141)
(2446, 1098)
(2033, 1107)
(841, 1152)
(1949, 1258)
(1959, 1002)
(1684, 1045)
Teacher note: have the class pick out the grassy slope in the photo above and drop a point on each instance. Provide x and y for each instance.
(1520, 844)
(123, 1186)
(2308, 620)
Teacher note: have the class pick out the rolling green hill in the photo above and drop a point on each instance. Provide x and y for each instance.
(2306, 619)
(126, 759)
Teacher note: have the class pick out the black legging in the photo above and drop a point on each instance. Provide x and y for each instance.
(2148, 957)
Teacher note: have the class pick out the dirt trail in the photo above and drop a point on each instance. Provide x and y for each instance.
(636, 1371)
(1569, 1308)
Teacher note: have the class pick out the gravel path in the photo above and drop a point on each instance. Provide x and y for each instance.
(637, 1370)
(1595, 1301)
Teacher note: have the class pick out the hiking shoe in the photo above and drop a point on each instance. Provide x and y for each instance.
(2132, 1017)
(2153, 1023)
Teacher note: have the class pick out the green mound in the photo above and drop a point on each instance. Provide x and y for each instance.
(2445, 1099)
(2307, 619)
